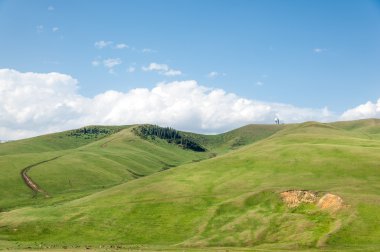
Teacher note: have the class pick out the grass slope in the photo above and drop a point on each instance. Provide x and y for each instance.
(231, 200)
(231, 140)
(85, 164)
(367, 127)
(92, 162)
(55, 142)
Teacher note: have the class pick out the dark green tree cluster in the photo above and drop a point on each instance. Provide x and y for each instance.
(170, 135)
(91, 132)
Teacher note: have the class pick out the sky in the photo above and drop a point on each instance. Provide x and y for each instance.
(203, 66)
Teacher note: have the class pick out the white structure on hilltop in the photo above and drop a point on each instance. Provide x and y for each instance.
(276, 120)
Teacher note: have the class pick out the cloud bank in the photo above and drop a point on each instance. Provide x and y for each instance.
(35, 103)
(367, 110)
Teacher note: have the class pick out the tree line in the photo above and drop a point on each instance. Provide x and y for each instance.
(170, 135)
(91, 131)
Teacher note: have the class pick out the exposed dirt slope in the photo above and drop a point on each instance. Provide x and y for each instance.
(293, 198)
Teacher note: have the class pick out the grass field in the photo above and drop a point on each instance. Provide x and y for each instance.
(121, 190)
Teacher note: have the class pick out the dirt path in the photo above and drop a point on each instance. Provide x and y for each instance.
(29, 182)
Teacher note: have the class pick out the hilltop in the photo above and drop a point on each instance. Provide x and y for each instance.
(259, 186)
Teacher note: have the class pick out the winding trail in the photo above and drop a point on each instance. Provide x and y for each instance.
(29, 182)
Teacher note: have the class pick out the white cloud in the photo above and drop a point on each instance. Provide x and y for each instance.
(102, 44)
(51, 8)
(162, 69)
(156, 67)
(319, 50)
(33, 103)
(55, 29)
(367, 110)
(215, 74)
(259, 83)
(111, 63)
(121, 46)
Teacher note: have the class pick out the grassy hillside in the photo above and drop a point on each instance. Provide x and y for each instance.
(232, 200)
(59, 141)
(367, 127)
(93, 158)
(84, 163)
(237, 138)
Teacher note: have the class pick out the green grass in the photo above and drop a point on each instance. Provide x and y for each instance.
(229, 201)
(84, 168)
(237, 138)
(55, 142)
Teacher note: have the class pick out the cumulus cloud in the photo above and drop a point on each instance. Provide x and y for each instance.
(366, 110)
(102, 44)
(162, 69)
(34, 103)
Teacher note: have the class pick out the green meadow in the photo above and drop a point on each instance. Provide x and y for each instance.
(110, 189)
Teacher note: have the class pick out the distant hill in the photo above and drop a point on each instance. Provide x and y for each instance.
(60, 141)
(268, 187)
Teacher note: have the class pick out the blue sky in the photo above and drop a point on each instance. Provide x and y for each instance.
(308, 54)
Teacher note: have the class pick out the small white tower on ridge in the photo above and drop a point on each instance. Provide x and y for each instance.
(276, 120)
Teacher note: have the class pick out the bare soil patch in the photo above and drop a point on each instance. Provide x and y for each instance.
(329, 201)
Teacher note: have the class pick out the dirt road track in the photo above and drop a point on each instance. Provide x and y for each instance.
(29, 182)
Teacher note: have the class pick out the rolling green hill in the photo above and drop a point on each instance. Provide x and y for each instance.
(59, 141)
(237, 138)
(82, 163)
(233, 199)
